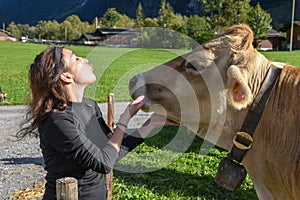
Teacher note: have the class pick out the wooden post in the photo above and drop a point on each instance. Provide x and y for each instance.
(67, 189)
(110, 112)
(110, 123)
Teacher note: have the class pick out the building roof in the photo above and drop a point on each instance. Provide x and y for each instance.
(114, 31)
(297, 23)
(103, 33)
(90, 36)
(5, 35)
(273, 33)
(288, 26)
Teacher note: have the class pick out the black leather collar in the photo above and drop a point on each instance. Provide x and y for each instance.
(243, 140)
(230, 173)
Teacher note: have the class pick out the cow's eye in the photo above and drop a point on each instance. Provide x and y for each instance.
(190, 66)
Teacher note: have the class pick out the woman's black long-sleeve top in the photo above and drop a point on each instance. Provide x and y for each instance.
(74, 143)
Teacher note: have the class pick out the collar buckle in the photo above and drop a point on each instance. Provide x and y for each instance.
(243, 140)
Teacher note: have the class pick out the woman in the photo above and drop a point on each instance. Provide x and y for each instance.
(74, 138)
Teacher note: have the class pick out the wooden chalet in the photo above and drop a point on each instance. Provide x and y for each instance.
(274, 41)
(122, 37)
(296, 34)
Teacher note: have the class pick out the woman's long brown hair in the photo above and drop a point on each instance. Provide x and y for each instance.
(48, 94)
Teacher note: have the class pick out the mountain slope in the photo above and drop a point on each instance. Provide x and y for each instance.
(32, 11)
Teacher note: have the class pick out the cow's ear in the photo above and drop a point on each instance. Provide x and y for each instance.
(239, 94)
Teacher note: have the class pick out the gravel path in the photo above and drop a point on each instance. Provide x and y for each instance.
(21, 162)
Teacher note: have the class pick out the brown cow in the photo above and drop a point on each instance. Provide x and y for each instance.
(210, 90)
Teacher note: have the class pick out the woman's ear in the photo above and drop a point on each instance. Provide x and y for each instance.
(238, 91)
(66, 77)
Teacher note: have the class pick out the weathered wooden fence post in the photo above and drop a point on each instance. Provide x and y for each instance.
(110, 122)
(67, 189)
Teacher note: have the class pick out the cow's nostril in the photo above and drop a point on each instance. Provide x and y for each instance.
(159, 90)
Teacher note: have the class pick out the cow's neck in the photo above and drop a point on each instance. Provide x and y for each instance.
(271, 161)
(235, 118)
(243, 139)
(257, 72)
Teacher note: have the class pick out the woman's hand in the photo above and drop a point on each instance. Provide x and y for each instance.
(129, 112)
(132, 109)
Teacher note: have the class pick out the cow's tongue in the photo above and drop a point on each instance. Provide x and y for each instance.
(173, 123)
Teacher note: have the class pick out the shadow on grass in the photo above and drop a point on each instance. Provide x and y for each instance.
(168, 133)
(188, 186)
(192, 176)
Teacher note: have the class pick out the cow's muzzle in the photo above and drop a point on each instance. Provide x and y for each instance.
(137, 88)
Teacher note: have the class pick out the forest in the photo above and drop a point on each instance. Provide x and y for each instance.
(218, 15)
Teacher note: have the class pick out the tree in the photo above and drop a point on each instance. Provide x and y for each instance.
(236, 11)
(150, 22)
(110, 18)
(66, 28)
(198, 28)
(140, 16)
(215, 10)
(166, 16)
(48, 30)
(15, 31)
(162, 13)
(76, 28)
(27, 31)
(72, 28)
(260, 22)
(23, 29)
(32, 32)
(125, 22)
(87, 27)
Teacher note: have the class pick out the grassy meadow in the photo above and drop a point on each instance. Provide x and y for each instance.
(187, 175)
(113, 67)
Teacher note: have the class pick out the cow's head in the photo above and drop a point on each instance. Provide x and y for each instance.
(196, 89)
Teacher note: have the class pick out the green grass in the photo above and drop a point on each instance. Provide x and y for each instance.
(188, 175)
(15, 59)
(291, 58)
(113, 67)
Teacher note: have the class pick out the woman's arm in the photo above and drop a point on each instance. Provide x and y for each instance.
(154, 121)
(129, 112)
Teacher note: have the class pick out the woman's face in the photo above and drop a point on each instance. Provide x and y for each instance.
(79, 68)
